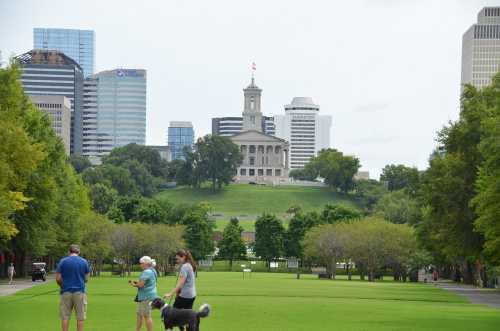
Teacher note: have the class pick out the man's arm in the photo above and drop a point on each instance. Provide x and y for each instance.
(87, 277)
(138, 283)
(59, 279)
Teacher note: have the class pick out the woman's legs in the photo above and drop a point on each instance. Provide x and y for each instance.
(138, 325)
(149, 323)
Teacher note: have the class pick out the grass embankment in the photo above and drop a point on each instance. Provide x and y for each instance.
(247, 202)
(265, 302)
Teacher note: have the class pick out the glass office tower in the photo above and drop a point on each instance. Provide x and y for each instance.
(114, 113)
(77, 44)
(180, 135)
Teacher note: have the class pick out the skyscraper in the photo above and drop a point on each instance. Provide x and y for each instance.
(228, 126)
(114, 111)
(58, 108)
(306, 131)
(481, 48)
(54, 73)
(77, 44)
(180, 135)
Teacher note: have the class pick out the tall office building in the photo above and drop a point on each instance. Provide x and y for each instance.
(180, 135)
(54, 73)
(305, 130)
(114, 111)
(229, 126)
(481, 48)
(77, 44)
(58, 108)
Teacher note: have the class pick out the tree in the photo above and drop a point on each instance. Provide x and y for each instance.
(269, 237)
(337, 213)
(47, 202)
(144, 181)
(398, 177)
(102, 197)
(219, 158)
(367, 193)
(297, 229)
(327, 243)
(149, 158)
(152, 211)
(487, 201)
(125, 242)
(399, 207)
(166, 241)
(96, 240)
(129, 206)
(198, 232)
(80, 163)
(112, 176)
(337, 169)
(303, 174)
(448, 187)
(232, 246)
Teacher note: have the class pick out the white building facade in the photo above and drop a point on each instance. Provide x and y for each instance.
(481, 48)
(306, 131)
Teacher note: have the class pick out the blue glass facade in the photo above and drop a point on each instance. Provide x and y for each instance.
(180, 136)
(77, 44)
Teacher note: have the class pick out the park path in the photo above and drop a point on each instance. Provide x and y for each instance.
(18, 285)
(489, 297)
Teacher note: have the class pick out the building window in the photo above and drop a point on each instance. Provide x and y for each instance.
(269, 149)
(260, 172)
(252, 160)
(252, 149)
(277, 172)
(243, 172)
(260, 149)
(269, 172)
(277, 149)
(252, 105)
(243, 149)
(251, 172)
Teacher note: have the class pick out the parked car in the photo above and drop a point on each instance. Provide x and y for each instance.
(38, 271)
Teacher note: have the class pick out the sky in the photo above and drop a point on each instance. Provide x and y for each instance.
(387, 71)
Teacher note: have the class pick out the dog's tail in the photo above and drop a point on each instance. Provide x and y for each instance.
(204, 310)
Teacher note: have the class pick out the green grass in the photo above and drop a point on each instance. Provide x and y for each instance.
(244, 199)
(266, 302)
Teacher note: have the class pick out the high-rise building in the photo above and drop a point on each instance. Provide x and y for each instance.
(114, 112)
(54, 73)
(77, 44)
(229, 126)
(164, 152)
(481, 48)
(180, 135)
(306, 131)
(58, 108)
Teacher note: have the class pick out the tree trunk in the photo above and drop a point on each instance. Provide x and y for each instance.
(467, 273)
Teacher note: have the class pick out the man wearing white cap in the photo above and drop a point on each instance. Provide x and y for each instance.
(146, 293)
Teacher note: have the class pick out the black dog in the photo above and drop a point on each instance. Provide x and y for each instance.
(173, 317)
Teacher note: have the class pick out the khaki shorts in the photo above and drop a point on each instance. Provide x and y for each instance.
(70, 301)
(144, 309)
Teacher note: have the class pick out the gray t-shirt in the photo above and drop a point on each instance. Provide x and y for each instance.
(188, 291)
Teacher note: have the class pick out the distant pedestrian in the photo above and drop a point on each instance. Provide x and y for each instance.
(71, 275)
(11, 272)
(185, 290)
(146, 293)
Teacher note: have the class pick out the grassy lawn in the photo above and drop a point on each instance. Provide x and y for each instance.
(250, 200)
(266, 302)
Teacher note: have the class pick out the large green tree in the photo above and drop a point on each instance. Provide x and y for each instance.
(219, 158)
(399, 207)
(232, 246)
(337, 169)
(398, 177)
(198, 232)
(448, 187)
(269, 237)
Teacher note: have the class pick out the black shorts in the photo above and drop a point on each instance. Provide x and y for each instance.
(184, 303)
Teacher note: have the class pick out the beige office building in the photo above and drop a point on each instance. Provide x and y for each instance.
(481, 48)
(58, 108)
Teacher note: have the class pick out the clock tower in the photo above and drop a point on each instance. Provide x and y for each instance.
(252, 115)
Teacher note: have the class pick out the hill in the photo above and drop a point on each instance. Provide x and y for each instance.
(247, 202)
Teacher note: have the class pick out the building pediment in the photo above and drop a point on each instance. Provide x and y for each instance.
(255, 137)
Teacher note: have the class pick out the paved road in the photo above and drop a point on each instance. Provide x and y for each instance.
(489, 297)
(18, 285)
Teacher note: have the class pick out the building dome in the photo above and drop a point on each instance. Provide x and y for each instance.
(302, 103)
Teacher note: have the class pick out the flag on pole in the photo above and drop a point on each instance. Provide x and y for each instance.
(254, 66)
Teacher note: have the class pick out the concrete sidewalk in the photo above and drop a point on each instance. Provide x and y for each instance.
(19, 284)
(488, 297)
